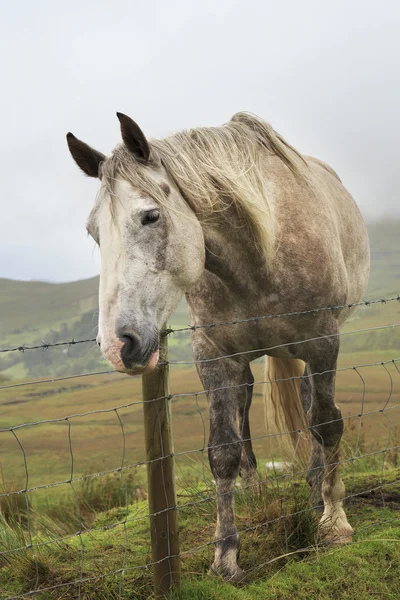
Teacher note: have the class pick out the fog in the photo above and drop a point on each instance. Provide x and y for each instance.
(326, 75)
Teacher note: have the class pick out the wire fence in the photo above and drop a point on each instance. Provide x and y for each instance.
(59, 540)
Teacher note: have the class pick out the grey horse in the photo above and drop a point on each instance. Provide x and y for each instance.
(245, 226)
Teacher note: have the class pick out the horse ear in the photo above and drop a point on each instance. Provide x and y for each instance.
(87, 159)
(134, 138)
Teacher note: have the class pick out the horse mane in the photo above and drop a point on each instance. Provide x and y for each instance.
(214, 169)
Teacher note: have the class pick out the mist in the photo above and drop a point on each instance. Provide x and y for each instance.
(324, 75)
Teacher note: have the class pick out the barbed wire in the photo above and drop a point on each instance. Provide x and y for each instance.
(46, 345)
(208, 360)
(297, 313)
(284, 345)
(209, 494)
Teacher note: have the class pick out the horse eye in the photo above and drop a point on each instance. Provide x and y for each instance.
(151, 216)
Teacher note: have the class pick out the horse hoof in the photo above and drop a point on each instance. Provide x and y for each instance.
(337, 535)
(230, 577)
(342, 536)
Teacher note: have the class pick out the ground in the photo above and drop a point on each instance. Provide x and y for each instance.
(281, 557)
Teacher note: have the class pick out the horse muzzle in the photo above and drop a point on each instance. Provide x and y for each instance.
(139, 352)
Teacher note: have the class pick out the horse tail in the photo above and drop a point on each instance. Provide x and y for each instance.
(283, 409)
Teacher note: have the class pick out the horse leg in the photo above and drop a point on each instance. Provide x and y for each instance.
(224, 452)
(316, 466)
(248, 464)
(327, 427)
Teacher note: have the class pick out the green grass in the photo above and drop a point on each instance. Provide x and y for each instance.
(367, 569)
(281, 560)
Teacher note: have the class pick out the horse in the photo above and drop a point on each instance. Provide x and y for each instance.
(243, 225)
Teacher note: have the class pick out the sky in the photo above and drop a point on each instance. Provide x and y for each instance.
(324, 74)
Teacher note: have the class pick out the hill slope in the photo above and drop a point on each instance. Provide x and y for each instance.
(32, 312)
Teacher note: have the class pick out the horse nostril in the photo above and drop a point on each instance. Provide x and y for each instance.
(130, 340)
(132, 346)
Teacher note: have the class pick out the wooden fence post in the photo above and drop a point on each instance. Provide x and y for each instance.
(161, 477)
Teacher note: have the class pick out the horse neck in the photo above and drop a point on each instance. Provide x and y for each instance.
(232, 256)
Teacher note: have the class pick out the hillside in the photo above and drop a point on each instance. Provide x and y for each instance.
(385, 259)
(32, 312)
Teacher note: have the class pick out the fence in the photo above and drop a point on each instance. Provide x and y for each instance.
(279, 506)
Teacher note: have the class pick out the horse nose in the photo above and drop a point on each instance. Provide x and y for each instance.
(131, 350)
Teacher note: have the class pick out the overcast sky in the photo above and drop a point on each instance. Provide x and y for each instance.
(325, 74)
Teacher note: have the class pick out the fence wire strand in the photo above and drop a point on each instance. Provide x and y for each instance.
(170, 330)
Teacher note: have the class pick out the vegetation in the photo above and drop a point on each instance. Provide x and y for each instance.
(281, 553)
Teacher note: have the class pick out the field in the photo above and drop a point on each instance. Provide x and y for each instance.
(111, 512)
(96, 438)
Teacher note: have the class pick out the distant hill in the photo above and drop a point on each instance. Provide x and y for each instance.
(385, 259)
(35, 312)
(30, 309)
(32, 312)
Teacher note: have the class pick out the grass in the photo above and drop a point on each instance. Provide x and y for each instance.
(367, 569)
(281, 556)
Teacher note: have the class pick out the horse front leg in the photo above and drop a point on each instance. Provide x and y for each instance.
(327, 428)
(224, 452)
(248, 464)
(316, 466)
